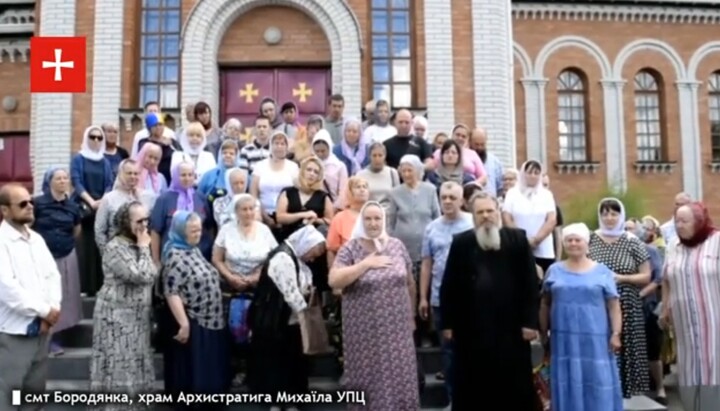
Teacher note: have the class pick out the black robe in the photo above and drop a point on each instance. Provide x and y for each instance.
(486, 298)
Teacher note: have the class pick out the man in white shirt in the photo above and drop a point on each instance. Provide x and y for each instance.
(150, 107)
(30, 294)
(668, 228)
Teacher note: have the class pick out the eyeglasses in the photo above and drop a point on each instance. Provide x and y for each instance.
(95, 137)
(143, 220)
(24, 203)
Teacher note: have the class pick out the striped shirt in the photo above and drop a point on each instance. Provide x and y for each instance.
(694, 278)
(251, 154)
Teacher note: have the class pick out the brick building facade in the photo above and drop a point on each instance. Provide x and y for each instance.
(604, 93)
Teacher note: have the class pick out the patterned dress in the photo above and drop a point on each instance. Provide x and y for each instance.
(378, 330)
(122, 357)
(624, 257)
(694, 277)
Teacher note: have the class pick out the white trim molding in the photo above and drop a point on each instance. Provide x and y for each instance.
(652, 45)
(572, 41)
(14, 51)
(690, 138)
(523, 57)
(699, 55)
(674, 14)
(440, 90)
(209, 19)
(615, 149)
(535, 120)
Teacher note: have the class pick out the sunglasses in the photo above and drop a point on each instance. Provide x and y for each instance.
(95, 137)
(25, 203)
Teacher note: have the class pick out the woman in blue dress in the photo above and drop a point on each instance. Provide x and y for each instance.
(581, 310)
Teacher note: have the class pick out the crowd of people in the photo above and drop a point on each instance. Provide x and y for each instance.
(405, 239)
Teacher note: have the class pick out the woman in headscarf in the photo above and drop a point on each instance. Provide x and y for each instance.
(420, 128)
(531, 207)
(212, 183)
(336, 173)
(125, 190)
(450, 167)
(197, 355)
(691, 296)
(353, 149)
(150, 182)
(373, 271)
(470, 160)
(277, 361)
(122, 358)
(181, 196)
(306, 135)
(629, 260)
(271, 176)
(342, 225)
(57, 220)
(268, 108)
(193, 143)
(653, 225)
(291, 124)
(381, 178)
(580, 313)
(91, 176)
(236, 181)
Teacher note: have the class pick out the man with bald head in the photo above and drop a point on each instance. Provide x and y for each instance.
(493, 166)
(30, 294)
(668, 228)
(406, 143)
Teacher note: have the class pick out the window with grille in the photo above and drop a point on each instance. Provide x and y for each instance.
(160, 52)
(572, 124)
(648, 122)
(714, 111)
(392, 52)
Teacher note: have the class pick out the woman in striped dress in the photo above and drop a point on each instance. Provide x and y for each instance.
(691, 296)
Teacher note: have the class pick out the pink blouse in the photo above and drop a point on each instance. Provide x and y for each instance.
(471, 162)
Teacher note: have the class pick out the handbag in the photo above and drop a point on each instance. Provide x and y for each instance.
(312, 328)
(668, 352)
(238, 319)
(541, 380)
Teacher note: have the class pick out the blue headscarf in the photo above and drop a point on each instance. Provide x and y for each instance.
(214, 180)
(176, 234)
(49, 174)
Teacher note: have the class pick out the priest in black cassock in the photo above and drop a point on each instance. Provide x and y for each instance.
(489, 305)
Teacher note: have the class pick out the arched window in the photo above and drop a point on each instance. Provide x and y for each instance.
(572, 124)
(714, 106)
(648, 117)
(392, 52)
(160, 52)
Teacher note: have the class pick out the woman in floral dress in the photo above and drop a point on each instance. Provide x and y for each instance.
(373, 271)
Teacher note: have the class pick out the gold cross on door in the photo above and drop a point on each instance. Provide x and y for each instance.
(303, 92)
(249, 92)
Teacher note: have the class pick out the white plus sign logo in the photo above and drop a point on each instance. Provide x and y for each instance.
(58, 64)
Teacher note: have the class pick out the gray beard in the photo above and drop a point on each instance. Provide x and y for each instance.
(488, 238)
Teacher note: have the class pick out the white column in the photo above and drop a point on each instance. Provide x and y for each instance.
(615, 151)
(440, 94)
(535, 140)
(690, 138)
(492, 40)
(107, 65)
(51, 113)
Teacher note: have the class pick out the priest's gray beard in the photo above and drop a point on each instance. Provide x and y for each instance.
(488, 238)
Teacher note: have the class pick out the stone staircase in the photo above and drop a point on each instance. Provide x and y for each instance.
(70, 371)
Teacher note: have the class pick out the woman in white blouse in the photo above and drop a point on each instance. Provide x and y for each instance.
(277, 361)
(271, 176)
(531, 207)
(193, 142)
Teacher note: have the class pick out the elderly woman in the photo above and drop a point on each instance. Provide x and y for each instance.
(124, 191)
(580, 312)
(420, 128)
(509, 179)
(91, 176)
(690, 305)
(231, 130)
(381, 178)
(212, 183)
(450, 167)
(150, 182)
(336, 173)
(57, 220)
(413, 205)
(271, 176)
(193, 143)
(628, 258)
(373, 271)
(342, 225)
(352, 150)
(237, 184)
(181, 196)
(470, 161)
(122, 357)
(196, 358)
(113, 152)
(277, 360)
(531, 207)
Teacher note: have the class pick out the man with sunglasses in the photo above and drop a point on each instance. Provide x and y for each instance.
(30, 294)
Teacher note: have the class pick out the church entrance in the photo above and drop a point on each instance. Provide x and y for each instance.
(242, 90)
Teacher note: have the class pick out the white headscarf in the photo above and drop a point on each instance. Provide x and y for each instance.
(305, 239)
(187, 148)
(359, 228)
(85, 149)
(577, 229)
(324, 136)
(522, 183)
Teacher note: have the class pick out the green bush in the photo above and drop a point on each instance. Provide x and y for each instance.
(583, 207)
